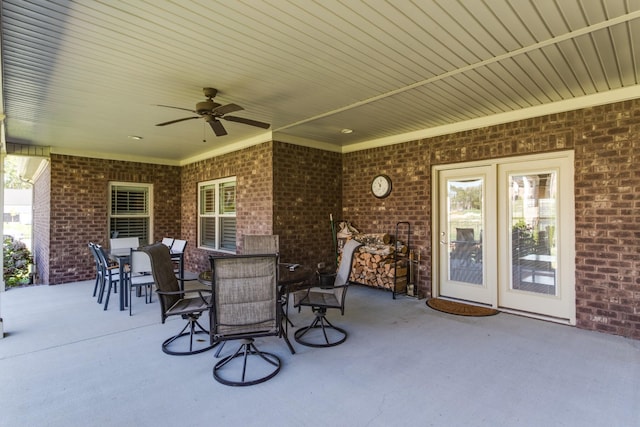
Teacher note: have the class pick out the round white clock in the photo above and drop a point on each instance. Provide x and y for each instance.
(381, 186)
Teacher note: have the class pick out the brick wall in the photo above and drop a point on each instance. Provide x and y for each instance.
(282, 189)
(41, 228)
(307, 188)
(79, 209)
(290, 191)
(408, 166)
(253, 170)
(606, 140)
(607, 143)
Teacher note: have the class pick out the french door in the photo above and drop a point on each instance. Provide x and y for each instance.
(505, 235)
(467, 233)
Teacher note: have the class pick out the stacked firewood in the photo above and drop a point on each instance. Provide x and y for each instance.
(374, 263)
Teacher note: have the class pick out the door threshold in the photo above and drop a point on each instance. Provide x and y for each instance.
(537, 316)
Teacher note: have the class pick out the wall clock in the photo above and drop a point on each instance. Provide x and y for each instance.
(381, 186)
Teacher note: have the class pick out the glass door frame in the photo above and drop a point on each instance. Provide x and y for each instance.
(566, 259)
(484, 292)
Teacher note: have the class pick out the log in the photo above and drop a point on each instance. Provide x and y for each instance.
(378, 270)
(373, 239)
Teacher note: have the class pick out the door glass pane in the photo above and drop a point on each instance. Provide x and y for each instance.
(465, 219)
(532, 206)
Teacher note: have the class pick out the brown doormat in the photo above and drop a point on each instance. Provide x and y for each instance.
(459, 308)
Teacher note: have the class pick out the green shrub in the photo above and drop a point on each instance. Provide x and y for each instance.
(17, 259)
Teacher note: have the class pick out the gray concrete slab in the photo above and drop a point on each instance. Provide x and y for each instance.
(66, 362)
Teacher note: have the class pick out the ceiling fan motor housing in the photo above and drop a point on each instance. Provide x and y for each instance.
(206, 107)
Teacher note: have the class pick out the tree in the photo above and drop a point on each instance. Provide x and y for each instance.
(12, 178)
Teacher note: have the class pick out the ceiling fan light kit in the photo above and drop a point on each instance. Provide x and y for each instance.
(212, 112)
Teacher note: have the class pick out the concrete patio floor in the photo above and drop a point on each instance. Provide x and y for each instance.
(66, 362)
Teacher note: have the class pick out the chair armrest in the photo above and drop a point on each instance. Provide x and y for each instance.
(305, 297)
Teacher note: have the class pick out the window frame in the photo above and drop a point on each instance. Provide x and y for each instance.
(217, 184)
(149, 213)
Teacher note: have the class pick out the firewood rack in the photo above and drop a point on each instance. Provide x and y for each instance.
(403, 226)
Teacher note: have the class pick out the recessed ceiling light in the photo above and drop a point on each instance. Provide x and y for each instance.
(346, 130)
(136, 137)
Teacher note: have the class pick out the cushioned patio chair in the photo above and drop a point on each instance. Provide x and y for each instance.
(246, 306)
(174, 301)
(139, 276)
(109, 276)
(92, 250)
(167, 241)
(322, 299)
(124, 243)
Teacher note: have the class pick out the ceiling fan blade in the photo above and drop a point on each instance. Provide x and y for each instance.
(226, 109)
(217, 127)
(177, 108)
(176, 121)
(247, 121)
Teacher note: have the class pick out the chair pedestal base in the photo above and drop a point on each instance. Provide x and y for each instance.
(333, 335)
(248, 349)
(191, 325)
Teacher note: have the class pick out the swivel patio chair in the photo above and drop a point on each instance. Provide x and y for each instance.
(246, 306)
(254, 244)
(174, 302)
(261, 244)
(320, 299)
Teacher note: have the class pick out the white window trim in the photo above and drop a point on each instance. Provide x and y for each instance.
(216, 215)
(132, 184)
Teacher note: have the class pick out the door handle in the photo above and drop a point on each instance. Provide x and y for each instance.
(443, 240)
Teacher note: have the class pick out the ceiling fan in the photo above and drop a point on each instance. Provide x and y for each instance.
(212, 112)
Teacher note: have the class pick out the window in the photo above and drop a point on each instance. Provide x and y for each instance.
(130, 210)
(217, 214)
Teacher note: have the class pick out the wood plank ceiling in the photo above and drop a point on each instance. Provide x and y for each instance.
(80, 77)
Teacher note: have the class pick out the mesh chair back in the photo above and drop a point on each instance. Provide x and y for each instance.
(344, 270)
(167, 241)
(92, 249)
(101, 257)
(178, 246)
(261, 244)
(163, 275)
(124, 242)
(245, 292)
(140, 262)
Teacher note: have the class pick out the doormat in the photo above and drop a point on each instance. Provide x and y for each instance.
(459, 308)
